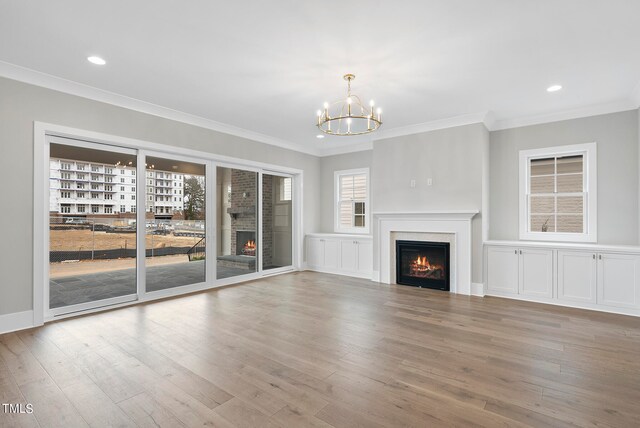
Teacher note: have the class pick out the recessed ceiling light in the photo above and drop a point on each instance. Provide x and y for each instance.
(319, 136)
(554, 88)
(96, 60)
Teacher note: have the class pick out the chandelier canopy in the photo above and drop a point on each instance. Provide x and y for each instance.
(349, 116)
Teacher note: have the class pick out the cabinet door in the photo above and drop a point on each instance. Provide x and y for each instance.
(331, 253)
(577, 276)
(502, 269)
(365, 257)
(315, 252)
(348, 255)
(619, 280)
(536, 272)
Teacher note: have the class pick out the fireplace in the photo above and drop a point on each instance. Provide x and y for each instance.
(423, 264)
(246, 243)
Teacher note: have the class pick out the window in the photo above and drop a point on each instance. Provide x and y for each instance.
(65, 176)
(65, 208)
(133, 172)
(558, 193)
(108, 210)
(80, 176)
(285, 188)
(352, 201)
(133, 208)
(95, 209)
(65, 185)
(81, 208)
(65, 194)
(133, 197)
(95, 195)
(80, 195)
(122, 208)
(121, 196)
(108, 196)
(133, 181)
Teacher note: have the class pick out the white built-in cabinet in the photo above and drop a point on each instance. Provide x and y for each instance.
(350, 255)
(520, 271)
(594, 277)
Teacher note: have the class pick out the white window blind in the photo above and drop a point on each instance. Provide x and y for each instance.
(557, 194)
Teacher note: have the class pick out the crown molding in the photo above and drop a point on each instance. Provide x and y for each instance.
(33, 77)
(594, 110)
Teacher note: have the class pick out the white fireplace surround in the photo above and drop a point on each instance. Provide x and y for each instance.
(456, 224)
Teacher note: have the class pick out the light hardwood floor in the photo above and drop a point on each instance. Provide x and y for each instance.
(309, 349)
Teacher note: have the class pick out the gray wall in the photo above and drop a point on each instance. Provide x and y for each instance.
(453, 158)
(22, 104)
(328, 165)
(617, 138)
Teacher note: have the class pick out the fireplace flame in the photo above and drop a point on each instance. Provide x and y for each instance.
(250, 245)
(421, 264)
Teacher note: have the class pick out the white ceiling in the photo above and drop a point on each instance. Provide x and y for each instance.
(267, 66)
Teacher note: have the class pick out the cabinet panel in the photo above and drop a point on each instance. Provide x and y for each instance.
(536, 272)
(365, 256)
(576, 276)
(315, 252)
(502, 269)
(618, 282)
(348, 255)
(331, 254)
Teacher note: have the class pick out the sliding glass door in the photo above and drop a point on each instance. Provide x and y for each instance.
(175, 222)
(236, 222)
(92, 225)
(277, 221)
(128, 223)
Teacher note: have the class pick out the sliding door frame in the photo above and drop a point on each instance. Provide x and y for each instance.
(42, 131)
(94, 304)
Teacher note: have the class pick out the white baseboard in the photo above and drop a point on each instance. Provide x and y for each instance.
(477, 289)
(16, 321)
(375, 276)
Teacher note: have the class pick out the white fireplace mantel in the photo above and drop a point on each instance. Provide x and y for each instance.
(455, 222)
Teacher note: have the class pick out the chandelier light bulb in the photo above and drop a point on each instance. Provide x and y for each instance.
(371, 103)
(326, 105)
(349, 100)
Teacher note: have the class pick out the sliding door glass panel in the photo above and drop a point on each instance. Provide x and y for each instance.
(277, 195)
(237, 222)
(175, 220)
(92, 243)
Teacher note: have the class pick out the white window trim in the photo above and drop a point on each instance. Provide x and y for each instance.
(589, 150)
(336, 199)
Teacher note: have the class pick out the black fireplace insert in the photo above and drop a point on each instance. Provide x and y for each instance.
(423, 264)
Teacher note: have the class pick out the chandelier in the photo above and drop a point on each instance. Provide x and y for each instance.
(349, 116)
